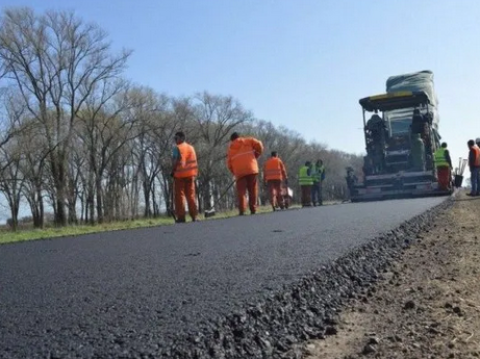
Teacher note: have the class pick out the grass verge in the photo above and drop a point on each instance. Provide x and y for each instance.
(8, 236)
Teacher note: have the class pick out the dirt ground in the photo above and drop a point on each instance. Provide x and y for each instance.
(426, 306)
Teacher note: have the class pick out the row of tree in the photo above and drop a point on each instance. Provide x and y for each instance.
(77, 137)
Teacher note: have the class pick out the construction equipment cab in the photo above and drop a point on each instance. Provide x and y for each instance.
(400, 142)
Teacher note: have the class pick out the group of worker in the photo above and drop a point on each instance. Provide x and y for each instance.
(242, 156)
(311, 177)
(443, 164)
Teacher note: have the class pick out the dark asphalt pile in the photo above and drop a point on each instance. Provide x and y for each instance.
(248, 287)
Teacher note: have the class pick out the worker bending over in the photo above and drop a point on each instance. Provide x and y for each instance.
(474, 164)
(305, 180)
(274, 173)
(242, 162)
(443, 163)
(185, 169)
(318, 175)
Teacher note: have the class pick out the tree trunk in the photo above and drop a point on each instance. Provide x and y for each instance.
(39, 216)
(134, 198)
(14, 213)
(91, 203)
(167, 188)
(61, 218)
(58, 173)
(98, 187)
(206, 197)
(72, 212)
(156, 209)
(146, 193)
(72, 203)
(82, 208)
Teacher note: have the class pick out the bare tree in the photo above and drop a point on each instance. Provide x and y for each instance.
(108, 99)
(12, 180)
(56, 61)
(12, 111)
(151, 112)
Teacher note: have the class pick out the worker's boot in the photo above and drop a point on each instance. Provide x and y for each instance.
(180, 220)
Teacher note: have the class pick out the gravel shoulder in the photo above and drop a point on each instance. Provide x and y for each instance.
(427, 303)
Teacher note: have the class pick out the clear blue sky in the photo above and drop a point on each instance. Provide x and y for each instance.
(300, 63)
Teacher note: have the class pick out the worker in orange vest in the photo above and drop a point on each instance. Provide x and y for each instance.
(274, 173)
(185, 169)
(242, 163)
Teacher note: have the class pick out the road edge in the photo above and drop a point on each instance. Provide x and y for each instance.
(277, 325)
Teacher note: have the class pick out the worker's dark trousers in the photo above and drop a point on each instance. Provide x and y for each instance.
(306, 196)
(317, 194)
(475, 180)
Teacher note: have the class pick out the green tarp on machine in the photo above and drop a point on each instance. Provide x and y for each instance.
(400, 120)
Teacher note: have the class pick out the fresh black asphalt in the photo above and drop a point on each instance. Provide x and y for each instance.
(99, 295)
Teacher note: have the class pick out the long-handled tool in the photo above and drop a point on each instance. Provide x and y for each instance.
(464, 164)
(458, 178)
(211, 212)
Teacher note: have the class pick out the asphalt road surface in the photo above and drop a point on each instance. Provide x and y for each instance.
(128, 291)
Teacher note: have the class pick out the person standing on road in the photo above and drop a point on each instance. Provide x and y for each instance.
(184, 171)
(274, 173)
(318, 175)
(305, 180)
(351, 181)
(443, 163)
(242, 156)
(474, 164)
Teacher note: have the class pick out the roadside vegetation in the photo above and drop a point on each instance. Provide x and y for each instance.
(80, 141)
(26, 232)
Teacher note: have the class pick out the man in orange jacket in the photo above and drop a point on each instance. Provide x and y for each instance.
(185, 169)
(242, 162)
(274, 173)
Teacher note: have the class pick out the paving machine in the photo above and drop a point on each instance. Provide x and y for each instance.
(400, 138)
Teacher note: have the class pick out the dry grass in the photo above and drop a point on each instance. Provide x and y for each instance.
(8, 236)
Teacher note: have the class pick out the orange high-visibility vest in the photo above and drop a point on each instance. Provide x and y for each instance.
(273, 169)
(476, 151)
(188, 166)
(242, 156)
